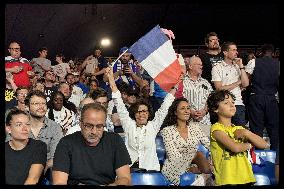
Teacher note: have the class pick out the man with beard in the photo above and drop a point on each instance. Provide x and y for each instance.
(92, 156)
(212, 57)
(42, 128)
(49, 84)
(102, 65)
(125, 70)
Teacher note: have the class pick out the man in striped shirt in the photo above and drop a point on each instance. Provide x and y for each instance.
(196, 90)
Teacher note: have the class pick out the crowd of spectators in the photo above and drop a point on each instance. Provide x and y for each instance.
(95, 121)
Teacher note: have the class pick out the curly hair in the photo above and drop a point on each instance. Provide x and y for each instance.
(213, 102)
(133, 109)
(171, 117)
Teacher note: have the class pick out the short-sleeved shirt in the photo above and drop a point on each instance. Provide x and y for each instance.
(19, 162)
(39, 63)
(228, 74)
(87, 164)
(60, 70)
(21, 78)
(229, 167)
(50, 134)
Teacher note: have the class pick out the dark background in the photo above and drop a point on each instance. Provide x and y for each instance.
(75, 29)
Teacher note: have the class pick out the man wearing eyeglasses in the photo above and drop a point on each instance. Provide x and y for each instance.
(92, 156)
(18, 66)
(42, 128)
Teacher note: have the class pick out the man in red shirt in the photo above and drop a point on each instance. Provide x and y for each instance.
(18, 66)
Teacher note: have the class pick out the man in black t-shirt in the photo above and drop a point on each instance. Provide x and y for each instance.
(212, 57)
(92, 156)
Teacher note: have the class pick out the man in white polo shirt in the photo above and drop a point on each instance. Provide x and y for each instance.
(230, 75)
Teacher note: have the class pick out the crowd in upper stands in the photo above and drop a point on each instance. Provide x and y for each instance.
(95, 121)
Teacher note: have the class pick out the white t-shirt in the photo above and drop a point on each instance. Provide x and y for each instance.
(60, 70)
(41, 62)
(228, 74)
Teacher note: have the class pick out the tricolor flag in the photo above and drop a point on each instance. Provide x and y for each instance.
(156, 55)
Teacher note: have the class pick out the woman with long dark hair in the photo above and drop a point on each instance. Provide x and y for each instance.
(181, 139)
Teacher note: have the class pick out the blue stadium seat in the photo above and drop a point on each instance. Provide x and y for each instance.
(47, 179)
(186, 179)
(204, 150)
(261, 179)
(266, 155)
(160, 149)
(157, 179)
(267, 166)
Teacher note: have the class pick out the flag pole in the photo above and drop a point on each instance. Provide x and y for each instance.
(118, 57)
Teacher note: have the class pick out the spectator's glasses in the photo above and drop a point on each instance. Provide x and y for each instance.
(38, 103)
(89, 126)
(142, 111)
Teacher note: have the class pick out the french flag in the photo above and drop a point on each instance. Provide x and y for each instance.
(156, 55)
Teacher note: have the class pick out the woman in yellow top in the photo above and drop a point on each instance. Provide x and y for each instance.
(229, 143)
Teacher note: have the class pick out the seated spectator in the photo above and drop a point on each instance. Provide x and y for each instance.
(92, 156)
(229, 143)
(100, 96)
(80, 84)
(10, 92)
(65, 89)
(39, 85)
(140, 130)
(77, 93)
(181, 139)
(97, 96)
(93, 84)
(21, 93)
(42, 128)
(76, 125)
(25, 158)
(59, 112)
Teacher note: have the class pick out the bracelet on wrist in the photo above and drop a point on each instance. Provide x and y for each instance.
(242, 68)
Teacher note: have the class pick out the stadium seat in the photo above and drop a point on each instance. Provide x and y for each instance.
(261, 179)
(204, 150)
(186, 179)
(266, 155)
(47, 178)
(160, 149)
(267, 165)
(157, 179)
